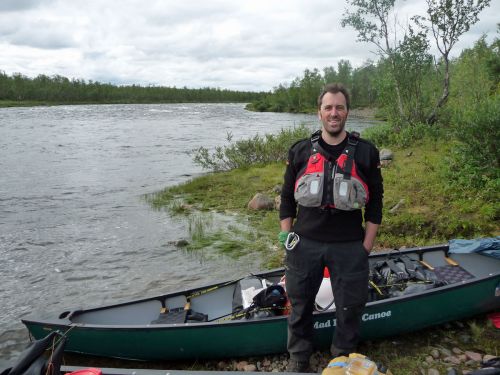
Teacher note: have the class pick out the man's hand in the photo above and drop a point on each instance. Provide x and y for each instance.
(282, 236)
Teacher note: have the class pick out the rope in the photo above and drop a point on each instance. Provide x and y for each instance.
(50, 366)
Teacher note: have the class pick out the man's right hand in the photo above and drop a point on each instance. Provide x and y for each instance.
(282, 236)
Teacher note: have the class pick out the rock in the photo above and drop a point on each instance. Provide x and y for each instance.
(249, 368)
(277, 202)
(430, 359)
(452, 359)
(435, 353)
(456, 350)
(432, 371)
(222, 365)
(476, 357)
(277, 189)
(462, 357)
(261, 202)
(240, 366)
(314, 361)
(452, 371)
(181, 243)
(266, 363)
(445, 352)
(385, 163)
(397, 206)
(465, 339)
(386, 154)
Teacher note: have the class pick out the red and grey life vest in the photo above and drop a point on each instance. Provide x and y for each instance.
(337, 184)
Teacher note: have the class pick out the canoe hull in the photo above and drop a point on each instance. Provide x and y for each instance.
(268, 336)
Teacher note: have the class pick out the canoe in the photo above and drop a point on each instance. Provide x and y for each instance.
(159, 328)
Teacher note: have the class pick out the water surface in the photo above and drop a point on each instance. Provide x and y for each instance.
(75, 230)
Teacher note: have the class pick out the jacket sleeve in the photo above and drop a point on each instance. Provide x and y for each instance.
(373, 210)
(288, 206)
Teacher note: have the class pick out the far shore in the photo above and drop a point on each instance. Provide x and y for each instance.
(34, 103)
(360, 113)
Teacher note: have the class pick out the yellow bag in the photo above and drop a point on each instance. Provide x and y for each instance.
(355, 364)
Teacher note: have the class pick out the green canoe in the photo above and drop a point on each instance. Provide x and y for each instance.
(135, 330)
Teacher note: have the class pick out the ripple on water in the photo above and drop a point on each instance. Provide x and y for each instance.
(81, 278)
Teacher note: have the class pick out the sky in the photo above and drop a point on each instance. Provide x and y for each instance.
(251, 45)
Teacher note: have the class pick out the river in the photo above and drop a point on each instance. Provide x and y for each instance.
(75, 230)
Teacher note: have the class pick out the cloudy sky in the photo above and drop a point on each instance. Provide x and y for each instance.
(234, 44)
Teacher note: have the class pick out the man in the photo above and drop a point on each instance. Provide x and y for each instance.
(328, 180)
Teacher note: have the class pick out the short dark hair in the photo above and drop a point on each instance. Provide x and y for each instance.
(335, 88)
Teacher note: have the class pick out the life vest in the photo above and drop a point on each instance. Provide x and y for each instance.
(345, 189)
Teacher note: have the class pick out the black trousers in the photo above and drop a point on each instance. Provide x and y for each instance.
(348, 266)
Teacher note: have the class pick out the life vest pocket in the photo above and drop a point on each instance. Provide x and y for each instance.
(309, 190)
(348, 194)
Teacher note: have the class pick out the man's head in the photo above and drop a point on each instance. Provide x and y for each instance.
(333, 108)
(335, 88)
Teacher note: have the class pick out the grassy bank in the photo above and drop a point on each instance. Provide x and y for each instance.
(24, 103)
(420, 205)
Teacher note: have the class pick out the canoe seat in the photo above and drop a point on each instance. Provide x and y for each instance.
(452, 274)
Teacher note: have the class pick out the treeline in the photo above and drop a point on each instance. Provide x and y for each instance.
(475, 75)
(301, 94)
(61, 90)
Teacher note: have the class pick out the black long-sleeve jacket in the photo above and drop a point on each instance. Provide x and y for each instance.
(330, 224)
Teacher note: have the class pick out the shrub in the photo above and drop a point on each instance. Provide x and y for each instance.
(401, 136)
(475, 160)
(257, 150)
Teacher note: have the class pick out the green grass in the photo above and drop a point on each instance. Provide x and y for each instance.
(228, 193)
(23, 103)
(434, 210)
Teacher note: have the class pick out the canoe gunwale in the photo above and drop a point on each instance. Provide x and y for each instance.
(379, 303)
(68, 324)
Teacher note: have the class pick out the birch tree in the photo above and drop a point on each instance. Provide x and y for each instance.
(447, 20)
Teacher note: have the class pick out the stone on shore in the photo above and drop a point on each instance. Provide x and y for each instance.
(261, 202)
(476, 357)
(277, 202)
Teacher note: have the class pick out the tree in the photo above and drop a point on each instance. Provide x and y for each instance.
(371, 19)
(448, 20)
(344, 75)
(329, 74)
(413, 64)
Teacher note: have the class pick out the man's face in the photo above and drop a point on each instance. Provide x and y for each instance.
(333, 113)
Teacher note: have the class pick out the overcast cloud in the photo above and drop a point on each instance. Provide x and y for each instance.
(244, 45)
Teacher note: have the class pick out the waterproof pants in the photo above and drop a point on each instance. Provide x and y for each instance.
(348, 266)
